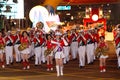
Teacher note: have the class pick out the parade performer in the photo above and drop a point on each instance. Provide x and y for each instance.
(39, 27)
(59, 55)
(16, 45)
(101, 52)
(9, 40)
(38, 40)
(66, 48)
(90, 46)
(81, 48)
(74, 44)
(49, 52)
(96, 37)
(43, 47)
(117, 44)
(2, 47)
(24, 49)
(31, 47)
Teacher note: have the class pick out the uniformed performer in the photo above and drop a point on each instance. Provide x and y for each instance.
(17, 37)
(38, 40)
(43, 47)
(96, 39)
(59, 55)
(39, 27)
(103, 46)
(25, 42)
(89, 47)
(69, 43)
(31, 35)
(9, 40)
(81, 48)
(74, 44)
(66, 48)
(117, 44)
(2, 47)
(49, 52)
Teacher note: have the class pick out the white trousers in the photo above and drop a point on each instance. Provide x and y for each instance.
(81, 53)
(17, 53)
(9, 54)
(118, 56)
(95, 47)
(66, 50)
(74, 49)
(90, 53)
(38, 55)
(43, 55)
(31, 47)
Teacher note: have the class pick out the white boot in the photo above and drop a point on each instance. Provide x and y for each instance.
(58, 70)
(64, 61)
(61, 70)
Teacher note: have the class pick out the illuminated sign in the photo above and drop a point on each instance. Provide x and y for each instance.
(63, 7)
(15, 10)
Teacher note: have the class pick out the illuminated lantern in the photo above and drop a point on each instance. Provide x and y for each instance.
(94, 11)
(94, 17)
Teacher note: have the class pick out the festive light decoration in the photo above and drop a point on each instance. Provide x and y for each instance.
(94, 17)
(40, 13)
(37, 14)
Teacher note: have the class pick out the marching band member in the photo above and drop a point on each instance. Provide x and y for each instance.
(9, 40)
(25, 41)
(59, 55)
(38, 40)
(31, 47)
(49, 56)
(69, 42)
(74, 44)
(2, 43)
(40, 26)
(66, 48)
(81, 48)
(117, 43)
(43, 47)
(114, 32)
(90, 47)
(16, 45)
(96, 37)
(103, 55)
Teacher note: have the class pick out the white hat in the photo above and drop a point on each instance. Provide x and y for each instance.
(58, 34)
(81, 30)
(18, 29)
(9, 31)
